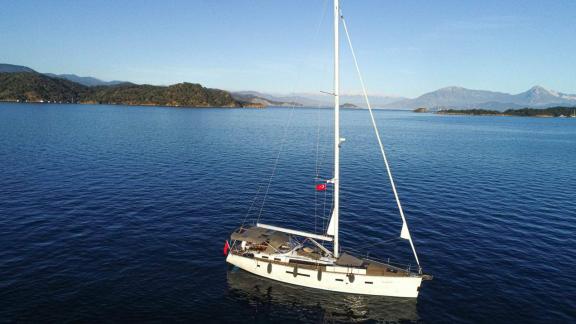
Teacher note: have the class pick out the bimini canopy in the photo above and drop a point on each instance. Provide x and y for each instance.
(258, 235)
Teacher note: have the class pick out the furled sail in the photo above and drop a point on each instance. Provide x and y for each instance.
(331, 226)
(405, 233)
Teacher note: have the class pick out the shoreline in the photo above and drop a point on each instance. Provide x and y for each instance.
(550, 112)
(128, 104)
(499, 115)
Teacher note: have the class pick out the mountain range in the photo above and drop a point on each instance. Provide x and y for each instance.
(320, 100)
(444, 98)
(30, 86)
(87, 81)
(462, 98)
(263, 99)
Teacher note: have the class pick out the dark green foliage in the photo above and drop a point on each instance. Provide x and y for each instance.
(531, 112)
(469, 112)
(524, 112)
(31, 86)
(182, 94)
(37, 87)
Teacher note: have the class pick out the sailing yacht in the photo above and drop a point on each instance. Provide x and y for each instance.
(315, 260)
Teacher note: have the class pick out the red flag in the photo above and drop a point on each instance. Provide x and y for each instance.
(226, 247)
(321, 187)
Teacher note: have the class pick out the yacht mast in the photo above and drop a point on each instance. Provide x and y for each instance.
(336, 180)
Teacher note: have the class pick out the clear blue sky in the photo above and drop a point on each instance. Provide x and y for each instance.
(404, 47)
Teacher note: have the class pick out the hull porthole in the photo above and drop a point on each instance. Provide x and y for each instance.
(269, 268)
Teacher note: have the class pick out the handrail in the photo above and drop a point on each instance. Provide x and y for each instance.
(399, 266)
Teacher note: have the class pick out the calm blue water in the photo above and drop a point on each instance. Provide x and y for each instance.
(111, 213)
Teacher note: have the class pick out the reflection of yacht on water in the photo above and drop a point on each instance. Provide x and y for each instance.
(302, 304)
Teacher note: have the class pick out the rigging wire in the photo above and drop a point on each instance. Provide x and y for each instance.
(316, 176)
(321, 152)
(378, 137)
(276, 162)
(288, 123)
(360, 248)
(253, 203)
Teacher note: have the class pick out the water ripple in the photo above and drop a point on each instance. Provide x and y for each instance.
(120, 213)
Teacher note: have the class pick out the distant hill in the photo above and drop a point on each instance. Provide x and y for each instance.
(321, 99)
(287, 101)
(87, 81)
(538, 96)
(10, 68)
(445, 98)
(462, 98)
(37, 87)
(177, 95)
(451, 97)
(524, 112)
(376, 101)
(256, 99)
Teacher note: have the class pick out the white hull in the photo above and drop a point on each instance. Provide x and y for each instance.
(337, 280)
